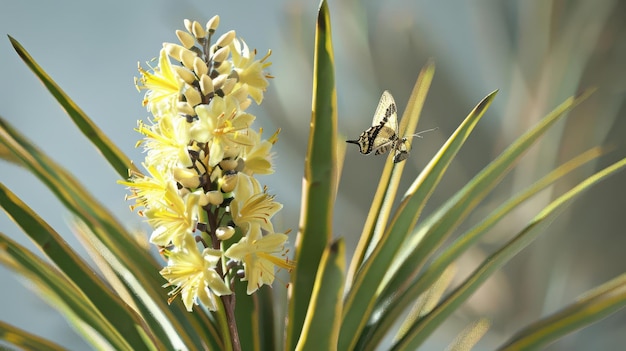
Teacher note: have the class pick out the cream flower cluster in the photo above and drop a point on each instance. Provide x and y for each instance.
(209, 213)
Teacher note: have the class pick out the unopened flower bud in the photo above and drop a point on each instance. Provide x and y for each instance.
(187, 177)
(193, 96)
(187, 57)
(173, 50)
(206, 85)
(212, 24)
(186, 75)
(197, 30)
(200, 67)
(185, 38)
(199, 166)
(219, 81)
(228, 182)
(185, 108)
(221, 54)
(215, 197)
(188, 25)
(228, 165)
(203, 200)
(226, 39)
(225, 233)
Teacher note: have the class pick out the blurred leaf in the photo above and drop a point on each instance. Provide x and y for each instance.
(321, 327)
(438, 226)
(123, 319)
(428, 300)
(120, 162)
(60, 293)
(6, 155)
(25, 340)
(423, 328)
(319, 183)
(416, 286)
(432, 232)
(133, 258)
(466, 340)
(361, 298)
(136, 296)
(594, 306)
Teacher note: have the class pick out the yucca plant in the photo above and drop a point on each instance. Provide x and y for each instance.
(211, 222)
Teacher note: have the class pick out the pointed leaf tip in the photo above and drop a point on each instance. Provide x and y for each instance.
(585, 93)
(323, 6)
(484, 103)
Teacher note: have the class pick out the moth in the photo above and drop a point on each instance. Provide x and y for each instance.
(383, 135)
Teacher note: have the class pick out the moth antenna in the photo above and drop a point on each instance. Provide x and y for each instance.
(419, 135)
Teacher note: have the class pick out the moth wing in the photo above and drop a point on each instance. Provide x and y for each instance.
(382, 149)
(386, 112)
(383, 140)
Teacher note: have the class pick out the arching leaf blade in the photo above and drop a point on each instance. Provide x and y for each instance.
(117, 159)
(424, 327)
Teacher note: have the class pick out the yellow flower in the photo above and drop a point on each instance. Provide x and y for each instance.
(249, 70)
(223, 126)
(257, 156)
(176, 219)
(166, 141)
(200, 158)
(193, 275)
(252, 206)
(257, 253)
(147, 191)
(163, 86)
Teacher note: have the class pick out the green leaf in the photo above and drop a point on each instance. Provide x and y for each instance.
(60, 293)
(424, 327)
(437, 227)
(120, 162)
(320, 180)
(25, 340)
(361, 299)
(125, 321)
(255, 319)
(590, 308)
(133, 261)
(428, 237)
(168, 319)
(264, 303)
(6, 155)
(322, 324)
(394, 305)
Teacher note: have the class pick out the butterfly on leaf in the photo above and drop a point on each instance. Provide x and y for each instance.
(383, 136)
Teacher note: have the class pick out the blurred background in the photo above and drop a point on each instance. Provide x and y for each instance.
(537, 53)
